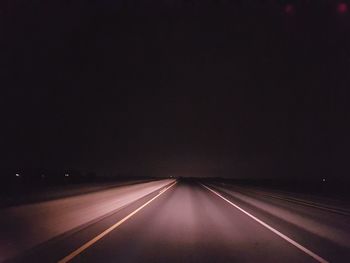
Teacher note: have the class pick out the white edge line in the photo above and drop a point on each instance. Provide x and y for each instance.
(291, 241)
(338, 210)
(110, 229)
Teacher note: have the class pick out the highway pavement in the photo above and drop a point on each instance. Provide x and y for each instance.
(191, 221)
(25, 226)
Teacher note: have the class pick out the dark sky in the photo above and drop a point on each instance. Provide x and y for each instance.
(164, 87)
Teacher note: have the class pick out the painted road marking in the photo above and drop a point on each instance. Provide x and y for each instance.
(291, 241)
(110, 229)
(299, 201)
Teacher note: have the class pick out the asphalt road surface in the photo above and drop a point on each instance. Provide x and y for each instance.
(25, 226)
(186, 221)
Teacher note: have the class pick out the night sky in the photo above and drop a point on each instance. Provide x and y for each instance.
(244, 89)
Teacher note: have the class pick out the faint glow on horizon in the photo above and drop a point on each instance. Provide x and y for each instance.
(289, 9)
(17, 175)
(323, 179)
(342, 8)
(66, 175)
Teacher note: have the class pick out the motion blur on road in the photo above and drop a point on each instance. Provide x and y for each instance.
(174, 131)
(23, 227)
(183, 220)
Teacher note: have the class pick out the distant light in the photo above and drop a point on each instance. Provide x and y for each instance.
(17, 175)
(43, 176)
(342, 8)
(289, 9)
(66, 175)
(323, 179)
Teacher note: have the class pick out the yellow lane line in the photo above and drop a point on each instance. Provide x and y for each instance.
(110, 229)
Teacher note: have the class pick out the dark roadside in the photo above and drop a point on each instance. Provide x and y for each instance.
(337, 190)
(22, 192)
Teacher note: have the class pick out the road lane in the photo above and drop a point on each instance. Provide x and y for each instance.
(264, 224)
(189, 224)
(26, 226)
(91, 242)
(324, 232)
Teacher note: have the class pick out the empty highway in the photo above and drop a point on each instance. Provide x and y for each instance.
(192, 221)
